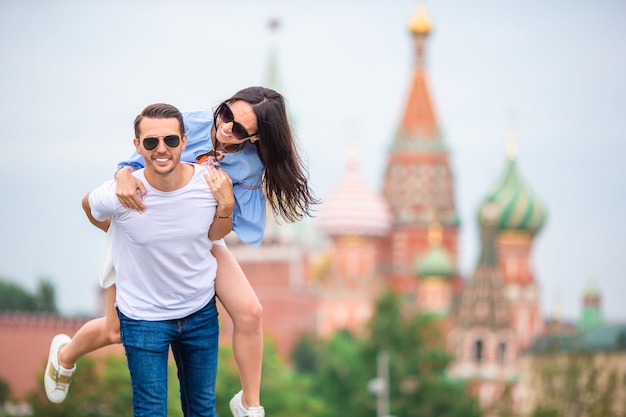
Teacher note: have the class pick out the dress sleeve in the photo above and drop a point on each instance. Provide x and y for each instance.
(198, 126)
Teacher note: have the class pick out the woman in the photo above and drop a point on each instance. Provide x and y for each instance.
(249, 148)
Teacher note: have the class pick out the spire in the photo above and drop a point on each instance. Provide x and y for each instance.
(511, 147)
(419, 122)
(511, 141)
(272, 66)
(275, 231)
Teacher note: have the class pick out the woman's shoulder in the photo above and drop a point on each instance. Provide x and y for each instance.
(244, 166)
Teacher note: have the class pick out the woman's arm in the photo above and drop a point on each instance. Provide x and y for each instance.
(129, 190)
(222, 188)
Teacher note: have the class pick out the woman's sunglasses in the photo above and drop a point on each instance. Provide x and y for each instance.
(151, 142)
(225, 114)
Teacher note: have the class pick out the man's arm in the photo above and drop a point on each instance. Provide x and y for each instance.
(104, 225)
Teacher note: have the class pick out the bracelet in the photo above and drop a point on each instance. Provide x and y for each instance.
(223, 217)
(118, 170)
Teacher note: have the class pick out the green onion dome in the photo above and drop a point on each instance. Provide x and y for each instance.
(518, 207)
(436, 262)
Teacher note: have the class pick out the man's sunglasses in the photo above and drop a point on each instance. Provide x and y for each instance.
(225, 114)
(151, 142)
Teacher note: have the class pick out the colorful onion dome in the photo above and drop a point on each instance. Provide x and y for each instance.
(518, 207)
(352, 208)
(437, 262)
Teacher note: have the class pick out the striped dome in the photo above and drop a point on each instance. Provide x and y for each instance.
(518, 207)
(353, 209)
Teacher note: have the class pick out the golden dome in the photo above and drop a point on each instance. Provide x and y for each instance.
(420, 22)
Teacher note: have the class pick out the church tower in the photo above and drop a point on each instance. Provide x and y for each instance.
(418, 181)
(521, 215)
(483, 341)
(355, 218)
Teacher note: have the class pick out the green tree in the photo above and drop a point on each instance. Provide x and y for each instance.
(14, 297)
(46, 297)
(5, 390)
(418, 361)
(418, 385)
(284, 393)
(304, 355)
(545, 412)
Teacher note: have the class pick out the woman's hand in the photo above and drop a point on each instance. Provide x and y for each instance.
(129, 190)
(222, 187)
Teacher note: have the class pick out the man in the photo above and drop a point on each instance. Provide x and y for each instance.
(165, 270)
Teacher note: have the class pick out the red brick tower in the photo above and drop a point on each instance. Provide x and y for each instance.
(418, 182)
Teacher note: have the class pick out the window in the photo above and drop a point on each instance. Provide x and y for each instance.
(478, 351)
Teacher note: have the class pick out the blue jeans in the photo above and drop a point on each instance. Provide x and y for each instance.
(194, 342)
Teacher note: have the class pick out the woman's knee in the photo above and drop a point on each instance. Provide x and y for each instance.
(249, 316)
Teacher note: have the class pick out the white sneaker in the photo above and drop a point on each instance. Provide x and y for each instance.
(56, 379)
(236, 407)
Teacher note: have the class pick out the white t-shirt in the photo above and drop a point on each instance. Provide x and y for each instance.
(165, 269)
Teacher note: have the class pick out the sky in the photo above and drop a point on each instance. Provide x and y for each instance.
(74, 75)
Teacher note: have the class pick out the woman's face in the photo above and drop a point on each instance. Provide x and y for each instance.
(243, 114)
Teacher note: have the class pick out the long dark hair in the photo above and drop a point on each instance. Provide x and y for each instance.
(285, 180)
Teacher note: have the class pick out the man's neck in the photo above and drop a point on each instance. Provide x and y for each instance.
(171, 181)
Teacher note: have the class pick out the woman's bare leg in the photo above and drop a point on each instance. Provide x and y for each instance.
(93, 335)
(243, 306)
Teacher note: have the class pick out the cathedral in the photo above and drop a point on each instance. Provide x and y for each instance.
(404, 238)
